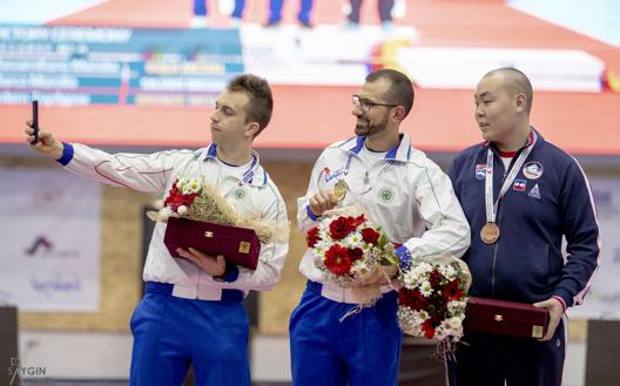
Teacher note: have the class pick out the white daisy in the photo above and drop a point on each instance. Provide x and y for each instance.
(426, 289)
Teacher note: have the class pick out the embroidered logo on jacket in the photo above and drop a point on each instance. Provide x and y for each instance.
(519, 185)
(535, 192)
(239, 194)
(481, 170)
(329, 175)
(533, 170)
(386, 195)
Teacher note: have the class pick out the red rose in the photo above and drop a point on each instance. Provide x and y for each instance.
(337, 260)
(355, 253)
(438, 303)
(340, 228)
(312, 237)
(428, 329)
(172, 195)
(176, 198)
(357, 221)
(370, 236)
(435, 278)
(404, 297)
(412, 299)
(453, 291)
(187, 200)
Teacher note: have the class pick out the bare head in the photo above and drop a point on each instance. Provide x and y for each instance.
(503, 103)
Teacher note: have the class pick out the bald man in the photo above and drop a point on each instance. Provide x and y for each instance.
(521, 195)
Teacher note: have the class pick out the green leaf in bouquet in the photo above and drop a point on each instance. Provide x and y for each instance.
(383, 240)
(389, 258)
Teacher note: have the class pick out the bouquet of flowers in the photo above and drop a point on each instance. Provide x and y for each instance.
(433, 298)
(353, 252)
(194, 199)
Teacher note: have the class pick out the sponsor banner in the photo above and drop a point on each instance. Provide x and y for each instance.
(50, 241)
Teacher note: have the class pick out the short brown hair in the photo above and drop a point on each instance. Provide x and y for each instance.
(260, 103)
(401, 89)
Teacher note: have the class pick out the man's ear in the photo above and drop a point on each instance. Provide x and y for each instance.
(398, 113)
(251, 129)
(521, 102)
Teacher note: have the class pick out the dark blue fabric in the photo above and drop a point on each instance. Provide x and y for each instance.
(231, 274)
(275, 10)
(200, 7)
(311, 214)
(526, 263)
(488, 360)
(239, 8)
(170, 333)
(67, 154)
(362, 349)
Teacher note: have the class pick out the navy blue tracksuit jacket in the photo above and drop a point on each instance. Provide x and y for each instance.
(549, 198)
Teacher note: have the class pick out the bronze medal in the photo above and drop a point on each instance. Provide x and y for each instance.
(489, 233)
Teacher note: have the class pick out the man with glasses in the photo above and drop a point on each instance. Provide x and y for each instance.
(399, 189)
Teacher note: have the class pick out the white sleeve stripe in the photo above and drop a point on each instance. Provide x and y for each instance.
(578, 299)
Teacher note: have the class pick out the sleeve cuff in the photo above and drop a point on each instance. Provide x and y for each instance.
(561, 301)
(67, 154)
(312, 216)
(564, 297)
(231, 274)
(404, 257)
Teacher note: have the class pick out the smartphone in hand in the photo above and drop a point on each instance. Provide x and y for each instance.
(35, 121)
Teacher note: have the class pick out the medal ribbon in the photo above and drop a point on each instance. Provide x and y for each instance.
(491, 207)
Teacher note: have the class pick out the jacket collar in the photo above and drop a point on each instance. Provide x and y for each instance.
(255, 175)
(400, 152)
(534, 134)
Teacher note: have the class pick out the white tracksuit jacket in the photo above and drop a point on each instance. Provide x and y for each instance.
(405, 192)
(248, 190)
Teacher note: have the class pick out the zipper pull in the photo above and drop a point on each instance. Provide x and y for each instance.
(366, 179)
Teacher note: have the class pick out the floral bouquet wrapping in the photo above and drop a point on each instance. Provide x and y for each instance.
(194, 199)
(353, 252)
(432, 299)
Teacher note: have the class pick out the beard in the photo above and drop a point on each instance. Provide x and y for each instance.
(365, 128)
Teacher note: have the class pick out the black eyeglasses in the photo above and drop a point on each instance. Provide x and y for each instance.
(366, 105)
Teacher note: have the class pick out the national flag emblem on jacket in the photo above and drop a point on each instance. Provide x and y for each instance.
(519, 185)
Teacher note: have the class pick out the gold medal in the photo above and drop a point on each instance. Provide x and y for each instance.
(489, 233)
(340, 190)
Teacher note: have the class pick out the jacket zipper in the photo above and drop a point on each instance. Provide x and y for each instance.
(499, 215)
(497, 221)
